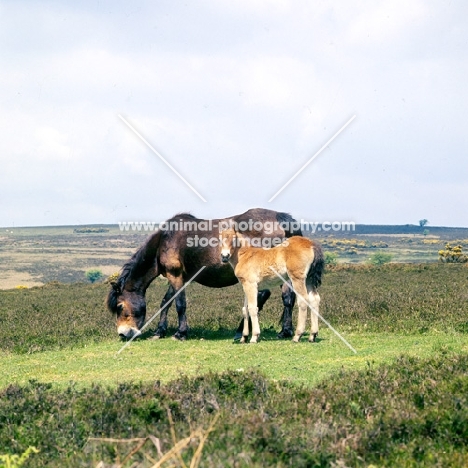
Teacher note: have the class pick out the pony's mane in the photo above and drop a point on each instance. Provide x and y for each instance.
(287, 218)
(186, 215)
(135, 267)
(139, 259)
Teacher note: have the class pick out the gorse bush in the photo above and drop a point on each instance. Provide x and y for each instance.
(410, 413)
(111, 278)
(344, 244)
(452, 254)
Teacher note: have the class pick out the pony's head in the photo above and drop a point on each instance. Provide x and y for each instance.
(130, 309)
(228, 240)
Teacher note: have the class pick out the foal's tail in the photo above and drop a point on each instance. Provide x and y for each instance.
(314, 276)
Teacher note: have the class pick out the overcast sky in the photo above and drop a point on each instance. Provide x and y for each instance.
(236, 96)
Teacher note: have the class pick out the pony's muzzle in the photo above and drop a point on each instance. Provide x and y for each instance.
(125, 332)
(225, 258)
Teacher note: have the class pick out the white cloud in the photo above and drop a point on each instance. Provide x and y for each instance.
(51, 144)
(236, 96)
(377, 22)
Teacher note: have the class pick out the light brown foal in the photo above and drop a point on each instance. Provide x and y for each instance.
(299, 258)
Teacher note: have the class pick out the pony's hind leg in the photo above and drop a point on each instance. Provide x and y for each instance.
(245, 329)
(301, 292)
(314, 302)
(289, 298)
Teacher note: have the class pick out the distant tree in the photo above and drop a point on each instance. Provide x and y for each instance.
(379, 258)
(94, 275)
(423, 222)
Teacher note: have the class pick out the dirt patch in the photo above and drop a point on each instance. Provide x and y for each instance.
(10, 279)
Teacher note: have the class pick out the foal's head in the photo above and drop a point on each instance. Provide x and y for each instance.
(130, 309)
(229, 243)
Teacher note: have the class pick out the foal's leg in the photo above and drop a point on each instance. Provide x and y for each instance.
(301, 290)
(262, 297)
(162, 325)
(289, 299)
(314, 301)
(250, 290)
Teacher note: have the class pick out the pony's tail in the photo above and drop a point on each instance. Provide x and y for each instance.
(314, 276)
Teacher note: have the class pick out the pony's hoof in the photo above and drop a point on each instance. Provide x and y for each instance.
(296, 339)
(159, 333)
(243, 339)
(178, 337)
(237, 336)
(254, 339)
(284, 334)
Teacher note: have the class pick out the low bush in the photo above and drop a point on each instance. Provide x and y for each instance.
(380, 258)
(413, 412)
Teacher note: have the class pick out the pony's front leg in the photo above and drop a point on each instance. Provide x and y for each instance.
(314, 301)
(177, 282)
(162, 325)
(250, 290)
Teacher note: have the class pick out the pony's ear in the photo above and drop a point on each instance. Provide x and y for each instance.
(116, 287)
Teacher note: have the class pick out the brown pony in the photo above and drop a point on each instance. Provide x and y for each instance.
(177, 250)
(299, 258)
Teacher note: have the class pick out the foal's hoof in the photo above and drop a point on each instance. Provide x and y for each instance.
(296, 338)
(313, 338)
(243, 339)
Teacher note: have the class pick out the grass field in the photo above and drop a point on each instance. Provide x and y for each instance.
(148, 361)
(400, 401)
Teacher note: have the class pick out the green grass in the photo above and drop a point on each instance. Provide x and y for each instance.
(165, 360)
